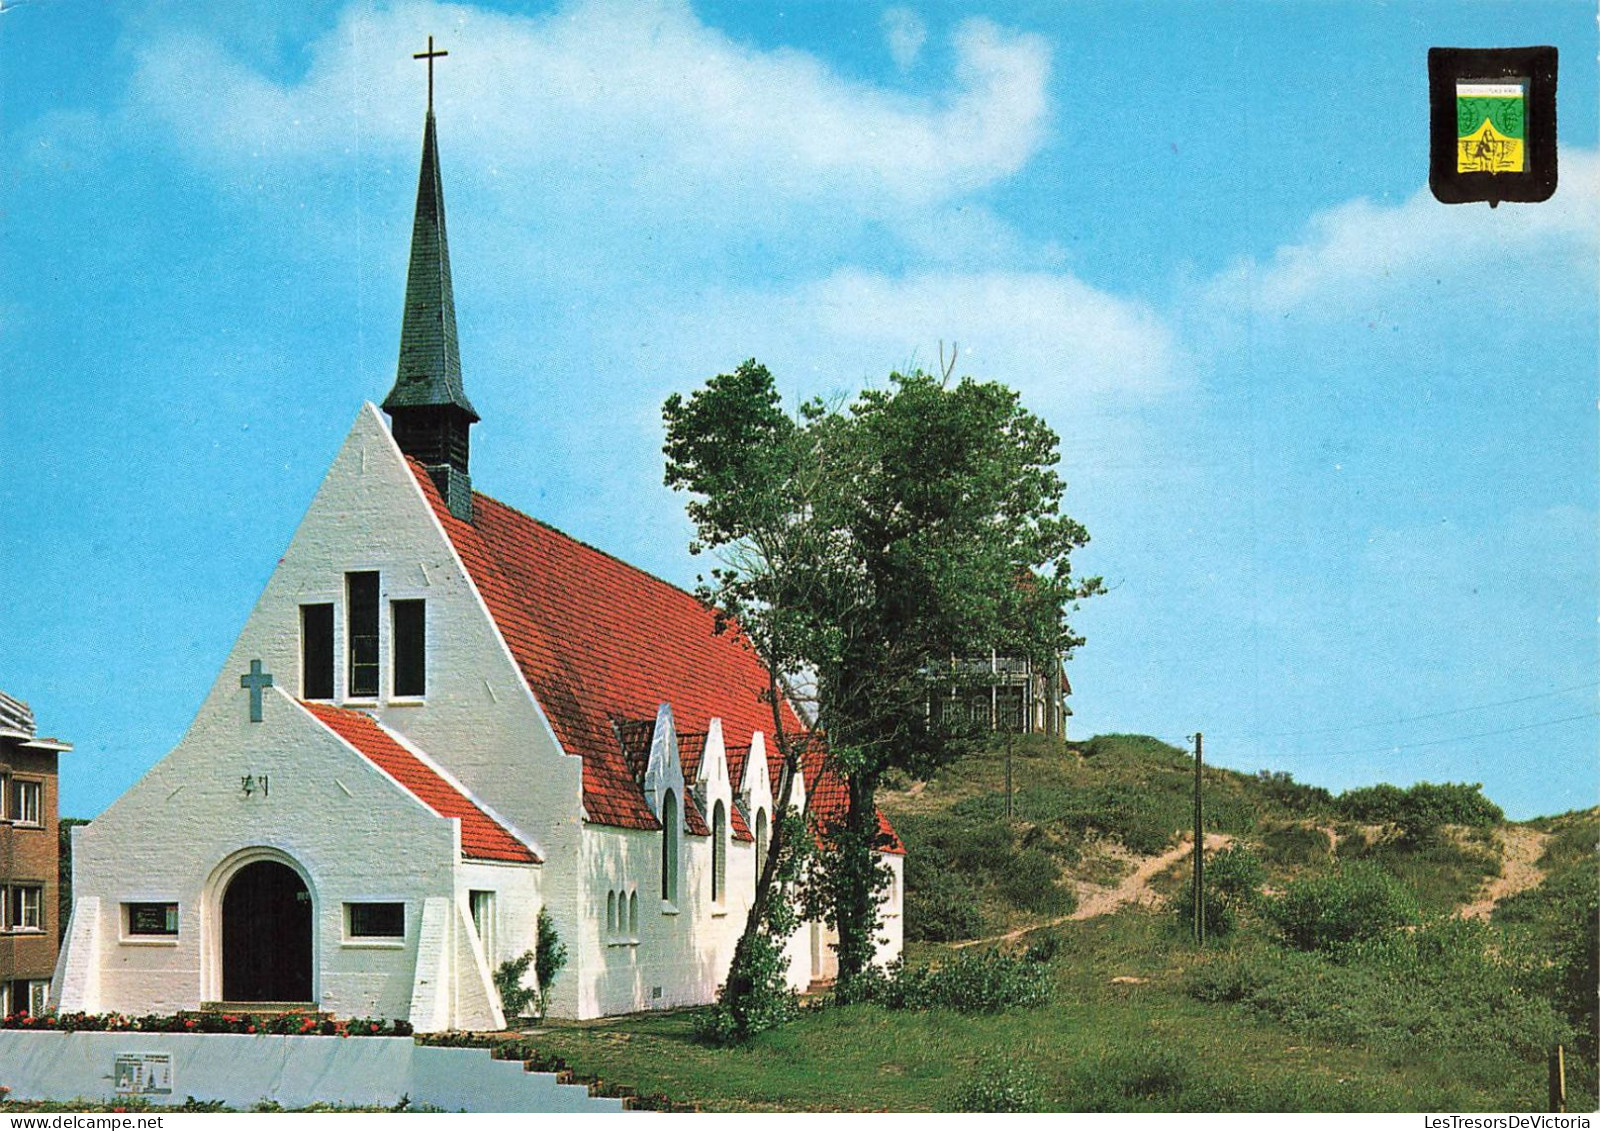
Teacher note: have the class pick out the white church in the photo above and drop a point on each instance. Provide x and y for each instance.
(442, 716)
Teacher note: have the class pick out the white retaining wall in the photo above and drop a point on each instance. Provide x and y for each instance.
(241, 1069)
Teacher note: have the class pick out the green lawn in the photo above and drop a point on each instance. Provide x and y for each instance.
(1101, 1045)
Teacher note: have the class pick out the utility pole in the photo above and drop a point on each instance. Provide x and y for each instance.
(1199, 848)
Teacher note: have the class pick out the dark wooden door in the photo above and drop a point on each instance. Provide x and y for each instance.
(266, 935)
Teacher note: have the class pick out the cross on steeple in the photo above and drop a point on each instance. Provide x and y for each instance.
(430, 55)
(256, 681)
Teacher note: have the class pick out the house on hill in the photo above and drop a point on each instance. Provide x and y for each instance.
(1005, 694)
(441, 717)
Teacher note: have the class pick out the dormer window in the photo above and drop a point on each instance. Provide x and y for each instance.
(361, 606)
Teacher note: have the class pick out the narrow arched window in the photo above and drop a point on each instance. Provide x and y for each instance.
(633, 916)
(669, 847)
(719, 853)
(611, 913)
(761, 842)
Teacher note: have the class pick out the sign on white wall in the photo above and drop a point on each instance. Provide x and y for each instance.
(143, 1074)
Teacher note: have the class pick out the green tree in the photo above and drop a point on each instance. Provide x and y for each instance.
(863, 546)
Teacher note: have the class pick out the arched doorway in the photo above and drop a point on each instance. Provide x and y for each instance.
(266, 935)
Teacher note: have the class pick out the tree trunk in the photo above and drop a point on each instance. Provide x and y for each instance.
(740, 982)
(857, 902)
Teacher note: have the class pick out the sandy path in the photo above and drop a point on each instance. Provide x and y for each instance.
(1520, 848)
(1095, 900)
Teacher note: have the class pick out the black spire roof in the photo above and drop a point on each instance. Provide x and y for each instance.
(430, 359)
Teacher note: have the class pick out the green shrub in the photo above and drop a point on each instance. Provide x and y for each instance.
(1577, 967)
(1031, 882)
(981, 844)
(1281, 788)
(1294, 845)
(1230, 978)
(1001, 1088)
(1440, 872)
(973, 981)
(735, 1018)
(1357, 901)
(1375, 804)
(942, 907)
(1043, 946)
(549, 956)
(515, 998)
(1142, 1078)
(1421, 810)
(1233, 879)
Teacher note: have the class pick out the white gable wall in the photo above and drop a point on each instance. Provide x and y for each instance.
(478, 720)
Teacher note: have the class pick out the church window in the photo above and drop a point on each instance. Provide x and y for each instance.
(361, 593)
(633, 915)
(719, 853)
(481, 904)
(410, 647)
(157, 919)
(669, 847)
(375, 920)
(611, 914)
(761, 841)
(25, 802)
(316, 651)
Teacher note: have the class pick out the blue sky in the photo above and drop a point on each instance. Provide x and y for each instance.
(1335, 443)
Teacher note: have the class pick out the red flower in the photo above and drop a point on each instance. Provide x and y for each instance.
(250, 1029)
(188, 1023)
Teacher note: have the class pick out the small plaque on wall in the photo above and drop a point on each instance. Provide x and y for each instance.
(143, 1074)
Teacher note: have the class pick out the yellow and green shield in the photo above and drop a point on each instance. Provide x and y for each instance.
(1491, 127)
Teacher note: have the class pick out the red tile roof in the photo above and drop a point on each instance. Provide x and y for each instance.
(482, 837)
(601, 643)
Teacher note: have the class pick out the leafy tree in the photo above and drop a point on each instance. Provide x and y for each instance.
(862, 547)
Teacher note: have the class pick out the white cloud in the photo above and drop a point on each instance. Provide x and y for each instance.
(1359, 248)
(905, 33)
(638, 94)
(1062, 343)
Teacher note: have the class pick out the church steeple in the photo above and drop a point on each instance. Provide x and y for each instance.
(428, 404)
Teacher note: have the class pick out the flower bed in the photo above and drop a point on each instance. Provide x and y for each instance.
(293, 1024)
